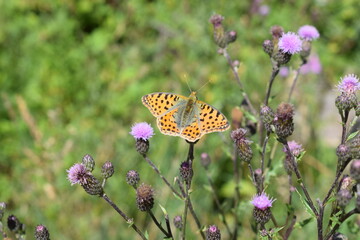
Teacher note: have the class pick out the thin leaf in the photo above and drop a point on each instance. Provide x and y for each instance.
(306, 205)
(352, 135)
(163, 210)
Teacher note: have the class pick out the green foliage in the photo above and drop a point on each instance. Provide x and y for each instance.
(72, 74)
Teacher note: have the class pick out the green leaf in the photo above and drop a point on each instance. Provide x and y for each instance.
(306, 205)
(352, 135)
(251, 117)
(303, 223)
(335, 219)
(163, 209)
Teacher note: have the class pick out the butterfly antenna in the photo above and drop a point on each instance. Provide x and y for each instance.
(203, 85)
(187, 82)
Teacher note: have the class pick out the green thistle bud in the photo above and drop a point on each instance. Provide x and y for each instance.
(107, 170)
(145, 197)
(88, 162)
(354, 147)
(262, 216)
(267, 116)
(243, 144)
(355, 170)
(343, 197)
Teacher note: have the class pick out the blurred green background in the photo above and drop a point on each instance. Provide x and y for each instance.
(72, 74)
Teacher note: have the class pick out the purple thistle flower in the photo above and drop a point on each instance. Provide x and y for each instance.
(349, 84)
(262, 201)
(284, 72)
(295, 148)
(142, 131)
(264, 10)
(290, 43)
(313, 65)
(308, 33)
(78, 174)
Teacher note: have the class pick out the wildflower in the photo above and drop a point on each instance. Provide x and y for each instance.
(78, 174)
(132, 178)
(308, 33)
(262, 204)
(284, 72)
(264, 10)
(343, 197)
(268, 47)
(107, 170)
(290, 43)
(343, 153)
(142, 131)
(349, 84)
(267, 116)
(145, 197)
(243, 144)
(295, 148)
(313, 65)
(276, 31)
(41, 233)
(13, 223)
(213, 233)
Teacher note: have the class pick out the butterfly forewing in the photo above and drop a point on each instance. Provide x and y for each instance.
(211, 119)
(167, 124)
(159, 103)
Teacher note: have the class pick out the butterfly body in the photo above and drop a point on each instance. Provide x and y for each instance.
(182, 116)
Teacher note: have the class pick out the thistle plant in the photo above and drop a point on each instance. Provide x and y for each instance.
(258, 132)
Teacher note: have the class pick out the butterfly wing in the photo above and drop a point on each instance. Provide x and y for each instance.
(211, 119)
(161, 103)
(167, 124)
(192, 132)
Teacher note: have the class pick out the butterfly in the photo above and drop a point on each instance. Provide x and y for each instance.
(182, 116)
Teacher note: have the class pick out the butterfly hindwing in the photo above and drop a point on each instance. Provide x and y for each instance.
(167, 124)
(211, 119)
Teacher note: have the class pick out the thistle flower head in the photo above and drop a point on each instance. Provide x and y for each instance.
(216, 20)
(290, 43)
(142, 131)
(145, 197)
(78, 174)
(41, 233)
(213, 233)
(308, 33)
(313, 65)
(295, 148)
(276, 31)
(349, 84)
(262, 201)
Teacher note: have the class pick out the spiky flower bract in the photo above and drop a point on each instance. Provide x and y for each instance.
(78, 174)
(349, 84)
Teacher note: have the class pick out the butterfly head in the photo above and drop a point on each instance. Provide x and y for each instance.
(193, 96)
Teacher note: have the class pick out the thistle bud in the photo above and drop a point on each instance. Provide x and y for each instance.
(354, 147)
(41, 233)
(142, 146)
(281, 57)
(142, 132)
(107, 170)
(213, 233)
(231, 37)
(343, 153)
(132, 178)
(145, 197)
(283, 121)
(178, 223)
(343, 197)
(357, 109)
(220, 37)
(92, 186)
(346, 101)
(267, 116)
(355, 170)
(243, 144)
(186, 172)
(88, 162)
(13, 223)
(258, 176)
(338, 236)
(268, 47)
(277, 31)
